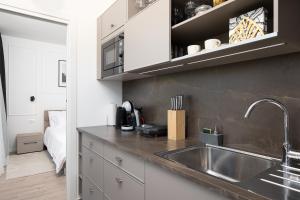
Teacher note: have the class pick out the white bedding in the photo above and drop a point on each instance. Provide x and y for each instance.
(55, 141)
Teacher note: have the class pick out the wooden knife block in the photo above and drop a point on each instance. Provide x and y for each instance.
(176, 124)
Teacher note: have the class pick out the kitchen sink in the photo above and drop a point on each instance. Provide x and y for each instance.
(225, 163)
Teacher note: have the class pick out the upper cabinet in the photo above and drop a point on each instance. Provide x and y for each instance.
(114, 18)
(262, 34)
(147, 37)
(156, 38)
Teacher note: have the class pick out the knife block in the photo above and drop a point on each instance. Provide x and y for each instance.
(176, 124)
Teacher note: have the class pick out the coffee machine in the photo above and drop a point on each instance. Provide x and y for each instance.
(127, 117)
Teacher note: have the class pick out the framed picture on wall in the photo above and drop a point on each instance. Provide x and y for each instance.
(62, 73)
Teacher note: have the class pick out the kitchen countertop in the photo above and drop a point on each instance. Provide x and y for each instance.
(146, 148)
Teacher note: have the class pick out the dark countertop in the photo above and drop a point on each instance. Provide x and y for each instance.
(146, 148)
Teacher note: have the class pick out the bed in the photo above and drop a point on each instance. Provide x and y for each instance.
(55, 139)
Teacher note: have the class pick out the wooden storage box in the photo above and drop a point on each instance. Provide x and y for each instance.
(176, 124)
(29, 142)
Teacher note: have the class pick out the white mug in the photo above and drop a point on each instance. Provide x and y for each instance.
(212, 43)
(192, 49)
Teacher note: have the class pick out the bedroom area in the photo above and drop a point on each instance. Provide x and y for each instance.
(33, 102)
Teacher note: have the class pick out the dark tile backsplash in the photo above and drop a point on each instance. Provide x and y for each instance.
(220, 96)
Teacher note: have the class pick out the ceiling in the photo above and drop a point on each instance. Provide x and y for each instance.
(17, 25)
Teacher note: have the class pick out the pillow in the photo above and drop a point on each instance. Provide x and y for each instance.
(57, 118)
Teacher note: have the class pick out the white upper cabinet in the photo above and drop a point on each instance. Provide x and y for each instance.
(114, 18)
(147, 37)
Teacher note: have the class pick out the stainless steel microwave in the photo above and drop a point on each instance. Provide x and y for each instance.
(113, 56)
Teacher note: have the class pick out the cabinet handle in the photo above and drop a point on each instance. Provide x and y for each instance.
(91, 190)
(120, 181)
(27, 143)
(119, 160)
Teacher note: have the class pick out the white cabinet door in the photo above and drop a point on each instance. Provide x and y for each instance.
(114, 18)
(127, 162)
(90, 191)
(147, 37)
(92, 167)
(120, 186)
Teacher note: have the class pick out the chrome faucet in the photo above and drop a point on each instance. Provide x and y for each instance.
(287, 153)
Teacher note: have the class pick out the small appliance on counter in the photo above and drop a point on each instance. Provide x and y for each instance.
(148, 130)
(120, 117)
(128, 117)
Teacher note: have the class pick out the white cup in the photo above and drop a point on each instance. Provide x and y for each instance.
(212, 44)
(192, 49)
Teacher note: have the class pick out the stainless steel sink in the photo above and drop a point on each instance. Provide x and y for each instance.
(229, 164)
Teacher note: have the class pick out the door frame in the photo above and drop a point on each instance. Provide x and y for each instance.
(72, 181)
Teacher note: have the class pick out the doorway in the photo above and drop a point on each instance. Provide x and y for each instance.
(35, 54)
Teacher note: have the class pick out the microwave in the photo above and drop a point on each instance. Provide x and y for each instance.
(113, 56)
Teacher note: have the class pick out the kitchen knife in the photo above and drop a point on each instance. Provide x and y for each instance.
(181, 102)
(173, 103)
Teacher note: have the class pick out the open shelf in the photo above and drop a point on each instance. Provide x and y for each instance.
(215, 21)
(256, 48)
(220, 50)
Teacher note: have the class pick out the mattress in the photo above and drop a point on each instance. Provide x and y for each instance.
(55, 141)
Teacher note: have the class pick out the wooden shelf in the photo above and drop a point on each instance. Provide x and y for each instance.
(214, 21)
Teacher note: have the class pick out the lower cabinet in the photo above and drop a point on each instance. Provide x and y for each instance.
(161, 184)
(92, 167)
(120, 186)
(90, 191)
(132, 178)
(108, 173)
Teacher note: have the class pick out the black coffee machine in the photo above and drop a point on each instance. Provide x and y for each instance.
(127, 118)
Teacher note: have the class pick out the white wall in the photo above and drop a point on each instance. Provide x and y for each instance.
(92, 95)
(48, 95)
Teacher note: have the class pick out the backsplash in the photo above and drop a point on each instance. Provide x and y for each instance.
(221, 95)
